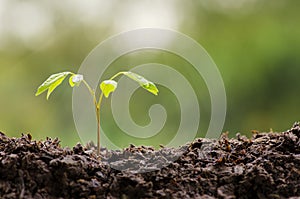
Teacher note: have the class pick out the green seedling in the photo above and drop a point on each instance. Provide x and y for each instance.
(106, 87)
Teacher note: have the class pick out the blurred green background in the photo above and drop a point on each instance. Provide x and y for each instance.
(255, 44)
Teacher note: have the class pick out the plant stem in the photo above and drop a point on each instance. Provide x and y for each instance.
(92, 92)
(98, 130)
(97, 111)
(98, 106)
(116, 75)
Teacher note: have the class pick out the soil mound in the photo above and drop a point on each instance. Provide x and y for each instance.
(264, 166)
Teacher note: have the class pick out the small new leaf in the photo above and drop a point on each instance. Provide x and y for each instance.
(75, 80)
(149, 86)
(51, 83)
(108, 86)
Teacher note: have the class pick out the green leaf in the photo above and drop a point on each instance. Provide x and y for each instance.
(149, 86)
(108, 86)
(75, 80)
(51, 83)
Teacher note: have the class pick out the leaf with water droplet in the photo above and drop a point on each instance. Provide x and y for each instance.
(51, 83)
(75, 80)
(148, 85)
(108, 86)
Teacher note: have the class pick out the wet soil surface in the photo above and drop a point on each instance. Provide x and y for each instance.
(265, 166)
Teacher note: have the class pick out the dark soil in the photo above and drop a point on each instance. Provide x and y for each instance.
(265, 166)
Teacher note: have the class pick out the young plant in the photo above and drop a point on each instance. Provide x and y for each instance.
(106, 87)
